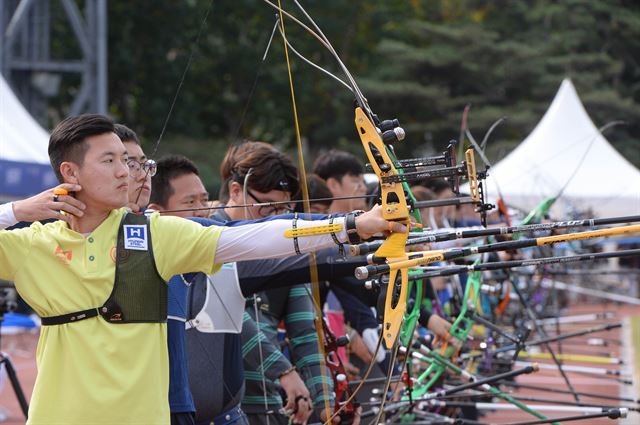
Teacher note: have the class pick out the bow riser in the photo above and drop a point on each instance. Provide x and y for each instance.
(394, 202)
(394, 208)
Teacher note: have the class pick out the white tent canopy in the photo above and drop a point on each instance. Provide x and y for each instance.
(21, 137)
(24, 162)
(566, 148)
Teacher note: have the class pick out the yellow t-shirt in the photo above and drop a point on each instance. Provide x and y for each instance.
(92, 371)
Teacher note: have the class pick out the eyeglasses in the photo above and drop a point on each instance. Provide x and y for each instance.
(269, 210)
(149, 167)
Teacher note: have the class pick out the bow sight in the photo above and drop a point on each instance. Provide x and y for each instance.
(433, 167)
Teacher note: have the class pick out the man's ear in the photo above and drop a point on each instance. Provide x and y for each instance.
(235, 192)
(334, 185)
(69, 171)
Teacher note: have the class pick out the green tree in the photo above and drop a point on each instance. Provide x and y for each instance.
(421, 61)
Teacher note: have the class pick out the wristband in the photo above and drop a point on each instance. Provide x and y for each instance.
(350, 224)
(294, 225)
(341, 251)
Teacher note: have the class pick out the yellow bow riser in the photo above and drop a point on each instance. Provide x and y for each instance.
(394, 203)
(394, 208)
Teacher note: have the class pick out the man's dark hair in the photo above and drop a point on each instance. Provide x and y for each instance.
(169, 168)
(269, 169)
(67, 141)
(126, 134)
(337, 164)
(317, 190)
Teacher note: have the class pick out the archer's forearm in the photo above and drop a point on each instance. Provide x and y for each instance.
(267, 240)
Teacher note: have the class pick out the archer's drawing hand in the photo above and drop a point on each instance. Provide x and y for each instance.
(47, 205)
(133, 207)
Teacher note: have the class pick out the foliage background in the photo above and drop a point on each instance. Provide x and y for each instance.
(421, 61)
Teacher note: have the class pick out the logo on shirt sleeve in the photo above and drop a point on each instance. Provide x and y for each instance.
(135, 237)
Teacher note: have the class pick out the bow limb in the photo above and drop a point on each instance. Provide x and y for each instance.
(412, 316)
(536, 214)
(446, 364)
(464, 324)
(339, 374)
(410, 323)
(313, 268)
(460, 329)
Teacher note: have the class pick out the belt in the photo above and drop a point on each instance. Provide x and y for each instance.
(69, 318)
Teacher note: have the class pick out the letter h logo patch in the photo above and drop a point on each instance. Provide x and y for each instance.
(135, 237)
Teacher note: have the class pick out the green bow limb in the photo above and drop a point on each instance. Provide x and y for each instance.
(412, 316)
(460, 329)
(536, 214)
(413, 212)
(446, 364)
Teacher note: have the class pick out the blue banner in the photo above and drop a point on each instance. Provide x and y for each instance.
(19, 179)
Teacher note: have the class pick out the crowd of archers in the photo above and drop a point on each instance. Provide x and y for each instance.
(160, 305)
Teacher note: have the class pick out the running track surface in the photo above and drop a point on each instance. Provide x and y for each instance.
(22, 349)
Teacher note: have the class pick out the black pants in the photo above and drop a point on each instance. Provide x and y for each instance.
(183, 418)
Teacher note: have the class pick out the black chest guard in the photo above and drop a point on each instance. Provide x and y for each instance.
(139, 294)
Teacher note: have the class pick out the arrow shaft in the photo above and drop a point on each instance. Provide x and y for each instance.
(432, 237)
(497, 265)
(557, 391)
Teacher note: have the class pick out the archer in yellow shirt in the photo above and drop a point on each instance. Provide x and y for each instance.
(93, 371)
